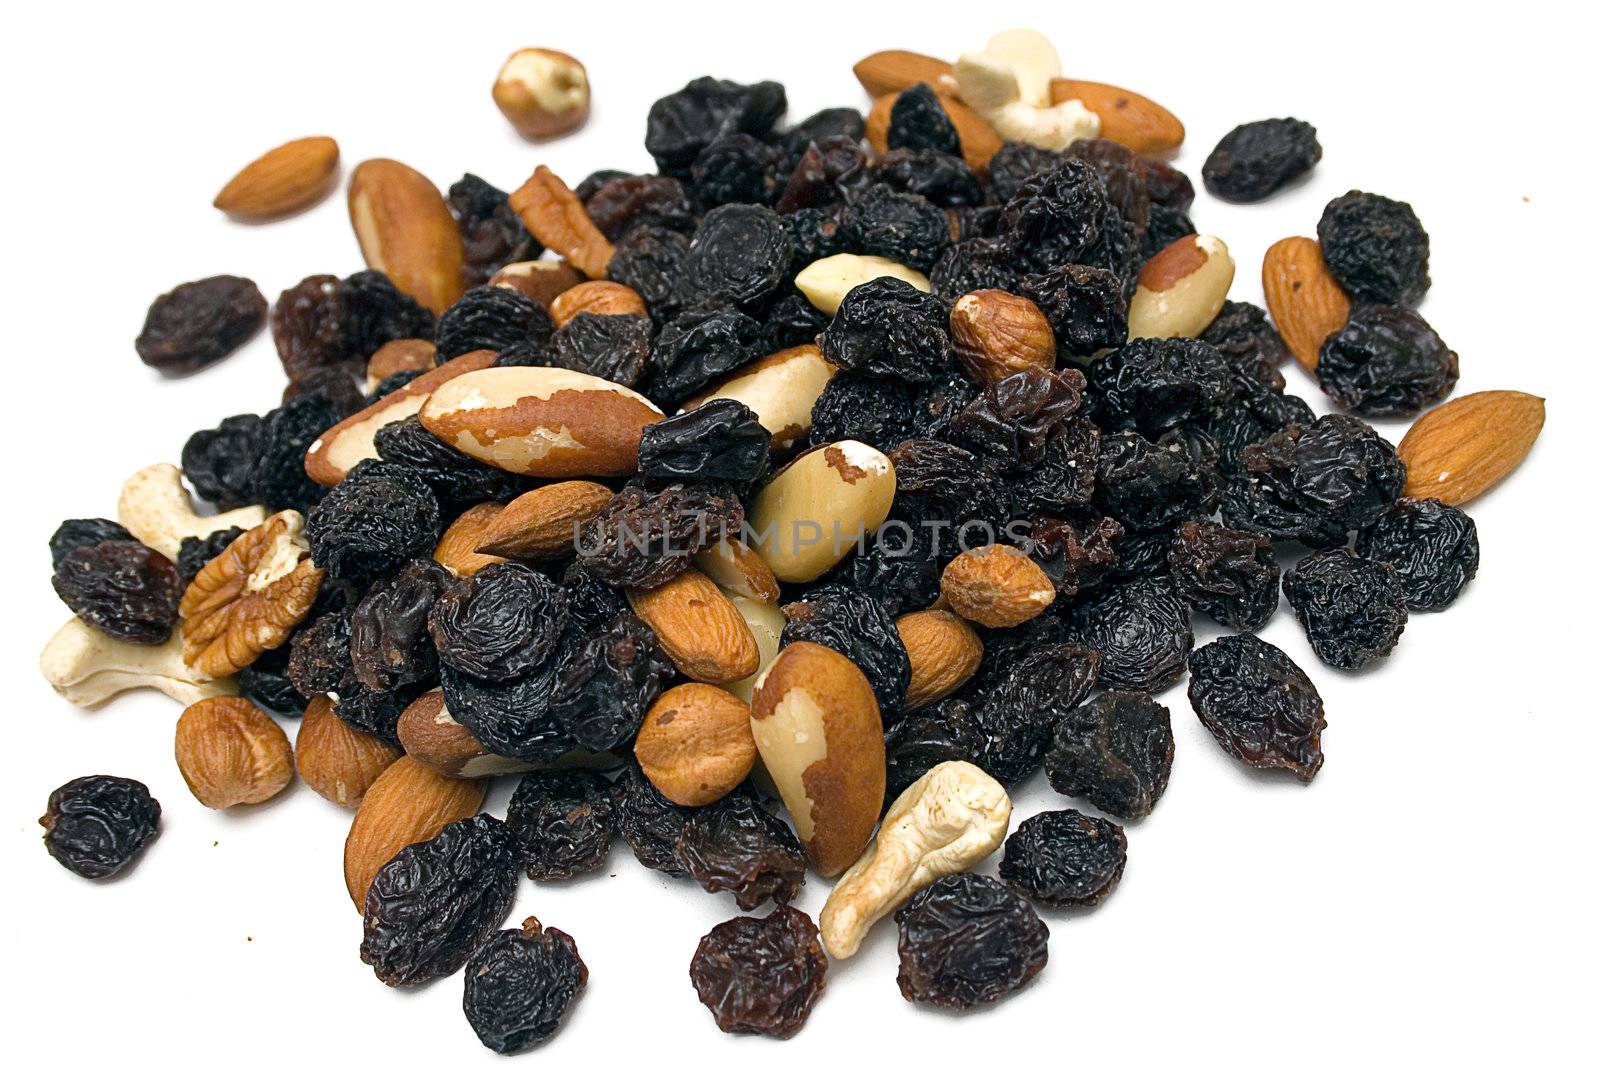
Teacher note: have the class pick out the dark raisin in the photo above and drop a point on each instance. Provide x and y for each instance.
(1114, 751)
(606, 679)
(855, 625)
(1062, 215)
(1141, 630)
(969, 265)
(1386, 361)
(1375, 248)
(626, 201)
(644, 537)
(1015, 163)
(279, 480)
(221, 463)
(845, 122)
(381, 515)
(899, 566)
(1017, 711)
(1255, 160)
(492, 317)
(917, 120)
(336, 386)
(613, 347)
(945, 180)
(926, 738)
(1166, 226)
(308, 326)
(1256, 411)
(512, 719)
(1142, 554)
(816, 233)
(1261, 708)
(319, 654)
(520, 986)
(1231, 575)
(696, 349)
(1065, 858)
(1013, 420)
(739, 254)
(500, 623)
(195, 552)
(1085, 306)
(735, 845)
(899, 226)
(792, 321)
(94, 826)
(1151, 485)
(1246, 339)
(83, 533)
(721, 440)
(736, 169)
(1153, 385)
(563, 819)
(939, 482)
(121, 588)
(966, 940)
(389, 642)
(887, 328)
(375, 312)
(681, 124)
(1353, 609)
(760, 976)
(649, 260)
(649, 822)
(1124, 174)
(880, 412)
(431, 907)
(590, 601)
(457, 480)
(491, 233)
(266, 681)
(1073, 561)
(198, 323)
(1433, 547)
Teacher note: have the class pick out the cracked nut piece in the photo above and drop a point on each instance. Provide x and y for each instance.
(410, 802)
(543, 93)
(738, 570)
(596, 298)
(817, 727)
(336, 760)
(156, 508)
(1181, 289)
(695, 745)
(990, 86)
(249, 599)
(997, 334)
(231, 752)
(944, 651)
(947, 822)
(457, 550)
(699, 628)
(431, 735)
(766, 626)
(781, 389)
(554, 214)
(286, 179)
(827, 281)
(820, 507)
(87, 668)
(540, 280)
(405, 230)
(1305, 303)
(542, 524)
(1032, 60)
(996, 586)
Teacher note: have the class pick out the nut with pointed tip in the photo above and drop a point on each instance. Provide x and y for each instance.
(87, 668)
(596, 298)
(286, 179)
(406, 354)
(336, 760)
(553, 213)
(997, 334)
(156, 508)
(231, 752)
(1133, 121)
(1305, 302)
(695, 745)
(738, 570)
(405, 230)
(820, 507)
(540, 280)
(410, 802)
(457, 550)
(699, 628)
(1462, 449)
(996, 586)
(896, 70)
(1181, 289)
(542, 524)
(542, 93)
(431, 735)
(944, 652)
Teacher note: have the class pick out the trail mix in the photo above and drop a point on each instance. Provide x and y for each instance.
(854, 471)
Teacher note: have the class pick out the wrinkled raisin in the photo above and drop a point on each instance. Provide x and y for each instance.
(492, 317)
(1432, 547)
(368, 525)
(198, 323)
(737, 846)
(121, 588)
(966, 940)
(1261, 708)
(95, 825)
(644, 537)
(613, 347)
(1353, 609)
(520, 986)
(1115, 751)
(887, 328)
(855, 625)
(1386, 361)
(760, 976)
(721, 440)
(83, 533)
(1255, 160)
(606, 679)
(1141, 630)
(1231, 575)
(562, 818)
(1065, 858)
(389, 642)
(1375, 248)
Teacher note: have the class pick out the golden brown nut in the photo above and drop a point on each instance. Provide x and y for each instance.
(231, 752)
(555, 215)
(944, 651)
(699, 628)
(457, 550)
(542, 523)
(336, 760)
(596, 298)
(996, 586)
(543, 93)
(409, 802)
(695, 745)
(997, 334)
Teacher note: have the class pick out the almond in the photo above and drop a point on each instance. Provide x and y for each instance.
(979, 141)
(996, 586)
(894, 70)
(998, 334)
(738, 570)
(286, 179)
(596, 298)
(1305, 302)
(944, 651)
(540, 280)
(699, 628)
(1181, 289)
(231, 752)
(336, 760)
(542, 523)
(410, 802)
(406, 231)
(554, 214)
(781, 389)
(1133, 121)
(410, 353)
(695, 745)
(431, 735)
(1462, 449)
(457, 550)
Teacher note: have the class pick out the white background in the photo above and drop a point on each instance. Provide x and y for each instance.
(1431, 893)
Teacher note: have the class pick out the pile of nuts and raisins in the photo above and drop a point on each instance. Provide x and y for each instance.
(973, 346)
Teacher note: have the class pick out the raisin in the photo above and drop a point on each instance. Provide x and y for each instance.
(1073, 561)
(1141, 630)
(512, 719)
(279, 480)
(1261, 708)
(613, 347)
(968, 939)
(721, 440)
(649, 260)
(1065, 858)
(1353, 609)
(1386, 361)
(1124, 175)
(736, 169)
(491, 233)
(643, 537)
(1256, 411)
(1231, 575)
(1015, 163)
(939, 482)
(381, 515)
(1246, 339)
(195, 552)
(696, 349)
(1433, 547)
(84, 533)
(682, 124)
(1115, 752)
(221, 463)
(625, 201)
(1012, 420)
(739, 254)
(375, 312)
(649, 822)
(563, 821)
(944, 180)
(1375, 248)
(735, 845)
(827, 170)
(1153, 385)
(926, 738)
(319, 654)
(917, 120)
(1255, 160)
(886, 328)
(842, 122)
(816, 233)
(898, 565)
(198, 323)
(457, 480)
(855, 625)
(95, 825)
(431, 907)
(1142, 554)
(969, 265)
(308, 326)
(1062, 215)
(121, 588)
(520, 986)
(1166, 226)
(334, 385)
(1018, 709)
(266, 681)
(590, 601)
(389, 643)
(1085, 307)
(1147, 485)
(853, 407)
(1316, 484)
(899, 226)
(492, 317)
(792, 321)
(760, 976)
(498, 624)
(606, 680)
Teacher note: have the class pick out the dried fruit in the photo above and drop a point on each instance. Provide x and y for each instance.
(94, 826)
(967, 940)
(1375, 248)
(368, 525)
(760, 976)
(1141, 630)
(853, 623)
(1386, 361)
(643, 538)
(1019, 697)
(720, 439)
(1114, 751)
(1255, 160)
(563, 820)
(649, 822)
(1231, 575)
(889, 329)
(1432, 547)
(500, 624)
(121, 588)
(735, 845)
(1065, 858)
(520, 986)
(1261, 708)
(200, 322)
(1353, 609)
(1460, 450)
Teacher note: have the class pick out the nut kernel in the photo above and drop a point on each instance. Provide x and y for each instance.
(231, 752)
(781, 389)
(695, 745)
(336, 760)
(542, 93)
(820, 507)
(1181, 289)
(699, 628)
(996, 586)
(596, 298)
(945, 653)
(997, 334)
(825, 282)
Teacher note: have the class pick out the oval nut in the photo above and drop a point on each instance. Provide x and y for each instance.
(820, 507)
(781, 389)
(1181, 289)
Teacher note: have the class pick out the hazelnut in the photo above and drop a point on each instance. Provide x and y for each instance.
(997, 334)
(231, 752)
(543, 93)
(695, 745)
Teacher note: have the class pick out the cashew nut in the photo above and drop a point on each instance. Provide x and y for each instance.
(88, 667)
(156, 509)
(945, 823)
(1032, 59)
(990, 86)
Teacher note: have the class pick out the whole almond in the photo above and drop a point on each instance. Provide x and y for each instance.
(895, 70)
(554, 214)
(596, 298)
(407, 232)
(431, 735)
(979, 141)
(699, 628)
(944, 651)
(1181, 289)
(1462, 449)
(695, 745)
(1305, 302)
(457, 550)
(541, 523)
(336, 760)
(286, 179)
(540, 280)
(997, 334)
(1131, 120)
(231, 752)
(996, 586)
(410, 802)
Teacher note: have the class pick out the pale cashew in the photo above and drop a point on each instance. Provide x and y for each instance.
(156, 509)
(991, 87)
(88, 667)
(1032, 59)
(946, 822)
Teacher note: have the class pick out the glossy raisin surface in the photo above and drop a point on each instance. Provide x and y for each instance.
(563, 819)
(761, 976)
(613, 347)
(1261, 708)
(643, 537)
(737, 846)
(83, 533)
(94, 826)
(1432, 547)
(1065, 858)
(389, 642)
(500, 623)
(221, 463)
(722, 440)
(1375, 248)
(918, 121)
(491, 233)
(605, 677)
(649, 822)
(1115, 751)
(1231, 575)
(1018, 699)
(121, 588)
(492, 317)
(1352, 609)
(887, 328)
(1141, 630)
(966, 940)
(520, 986)
(200, 322)
(1386, 361)
(1255, 160)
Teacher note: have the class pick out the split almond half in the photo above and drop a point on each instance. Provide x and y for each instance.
(1460, 450)
(1305, 302)
(286, 179)
(1133, 121)
(407, 232)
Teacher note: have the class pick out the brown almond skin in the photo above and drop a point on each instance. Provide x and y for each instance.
(997, 334)
(945, 652)
(596, 298)
(699, 628)
(542, 523)
(895, 70)
(431, 736)
(541, 280)
(554, 214)
(695, 745)
(406, 230)
(290, 177)
(1305, 303)
(336, 760)
(1465, 447)
(996, 586)
(457, 550)
(410, 802)
(1131, 120)
(979, 142)
(231, 752)
(409, 353)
